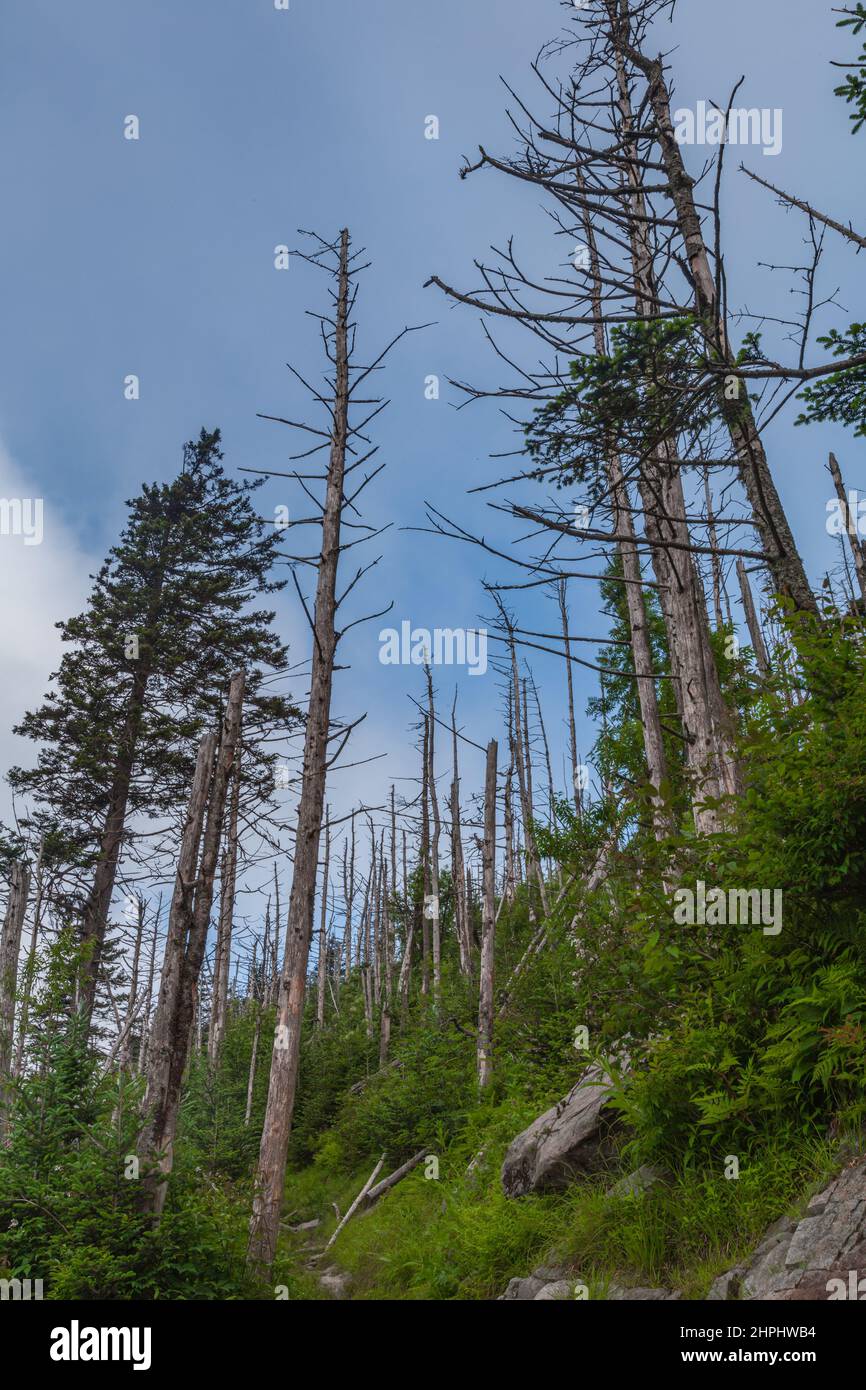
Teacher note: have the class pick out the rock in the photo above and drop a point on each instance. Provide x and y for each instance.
(335, 1281)
(571, 1139)
(548, 1274)
(641, 1180)
(558, 1290)
(727, 1286)
(819, 1257)
(522, 1290)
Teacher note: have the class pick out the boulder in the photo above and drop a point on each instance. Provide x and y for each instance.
(571, 1139)
(522, 1290)
(559, 1290)
(820, 1257)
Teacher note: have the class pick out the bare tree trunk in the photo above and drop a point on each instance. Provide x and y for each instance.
(132, 999)
(434, 847)
(141, 1068)
(270, 1177)
(222, 955)
(189, 919)
(755, 633)
(488, 920)
(569, 685)
(715, 560)
(273, 979)
(425, 860)
(768, 513)
(257, 1005)
(706, 722)
(323, 929)
(349, 899)
(30, 967)
(458, 882)
(523, 775)
(10, 949)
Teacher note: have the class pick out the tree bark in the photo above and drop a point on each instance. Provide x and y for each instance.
(323, 932)
(223, 952)
(270, 1177)
(755, 633)
(10, 949)
(858, 550)
(768, 514)
(488, 928)
(189, 919)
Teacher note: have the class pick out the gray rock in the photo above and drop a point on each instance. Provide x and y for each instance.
(571, 1139)
(522, 1290)
(727, 1286)
(335, 1281)
(548, 1274)
(799, 1260)
(559, 1290)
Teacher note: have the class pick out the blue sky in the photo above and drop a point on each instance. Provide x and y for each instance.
(155, 257)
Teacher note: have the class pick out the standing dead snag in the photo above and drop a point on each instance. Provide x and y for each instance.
(789, 575)
(222, 957)
(189, 919)
(10, 949)
(488, 920)
(323, 932)
(458, 879)
(30, 966)
(338, 334)
(434, 844)
(755, 633)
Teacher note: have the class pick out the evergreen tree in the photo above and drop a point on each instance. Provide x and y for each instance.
(168, 620)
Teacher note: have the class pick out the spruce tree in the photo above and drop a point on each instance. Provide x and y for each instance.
(169, 618)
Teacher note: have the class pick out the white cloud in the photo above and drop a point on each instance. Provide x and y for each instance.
(40, 584)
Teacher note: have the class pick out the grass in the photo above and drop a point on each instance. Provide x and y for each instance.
(678, 1235)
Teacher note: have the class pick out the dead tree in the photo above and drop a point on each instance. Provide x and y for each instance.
(133, 1002)
(340, 439)
(228, 888)
(488, 921)
(768, 514)
(755, 634)
(10, 949)
(30, 966)
(189, 919)
(436, 930)
(323, 931)
(458, 881)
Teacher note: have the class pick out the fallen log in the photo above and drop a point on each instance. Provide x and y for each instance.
(357, 1202)
(387, 1183)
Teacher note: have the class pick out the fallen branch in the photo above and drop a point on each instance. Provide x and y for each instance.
(357, 1202)
(387, 1183)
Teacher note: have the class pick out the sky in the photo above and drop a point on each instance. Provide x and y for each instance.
(155, 257)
